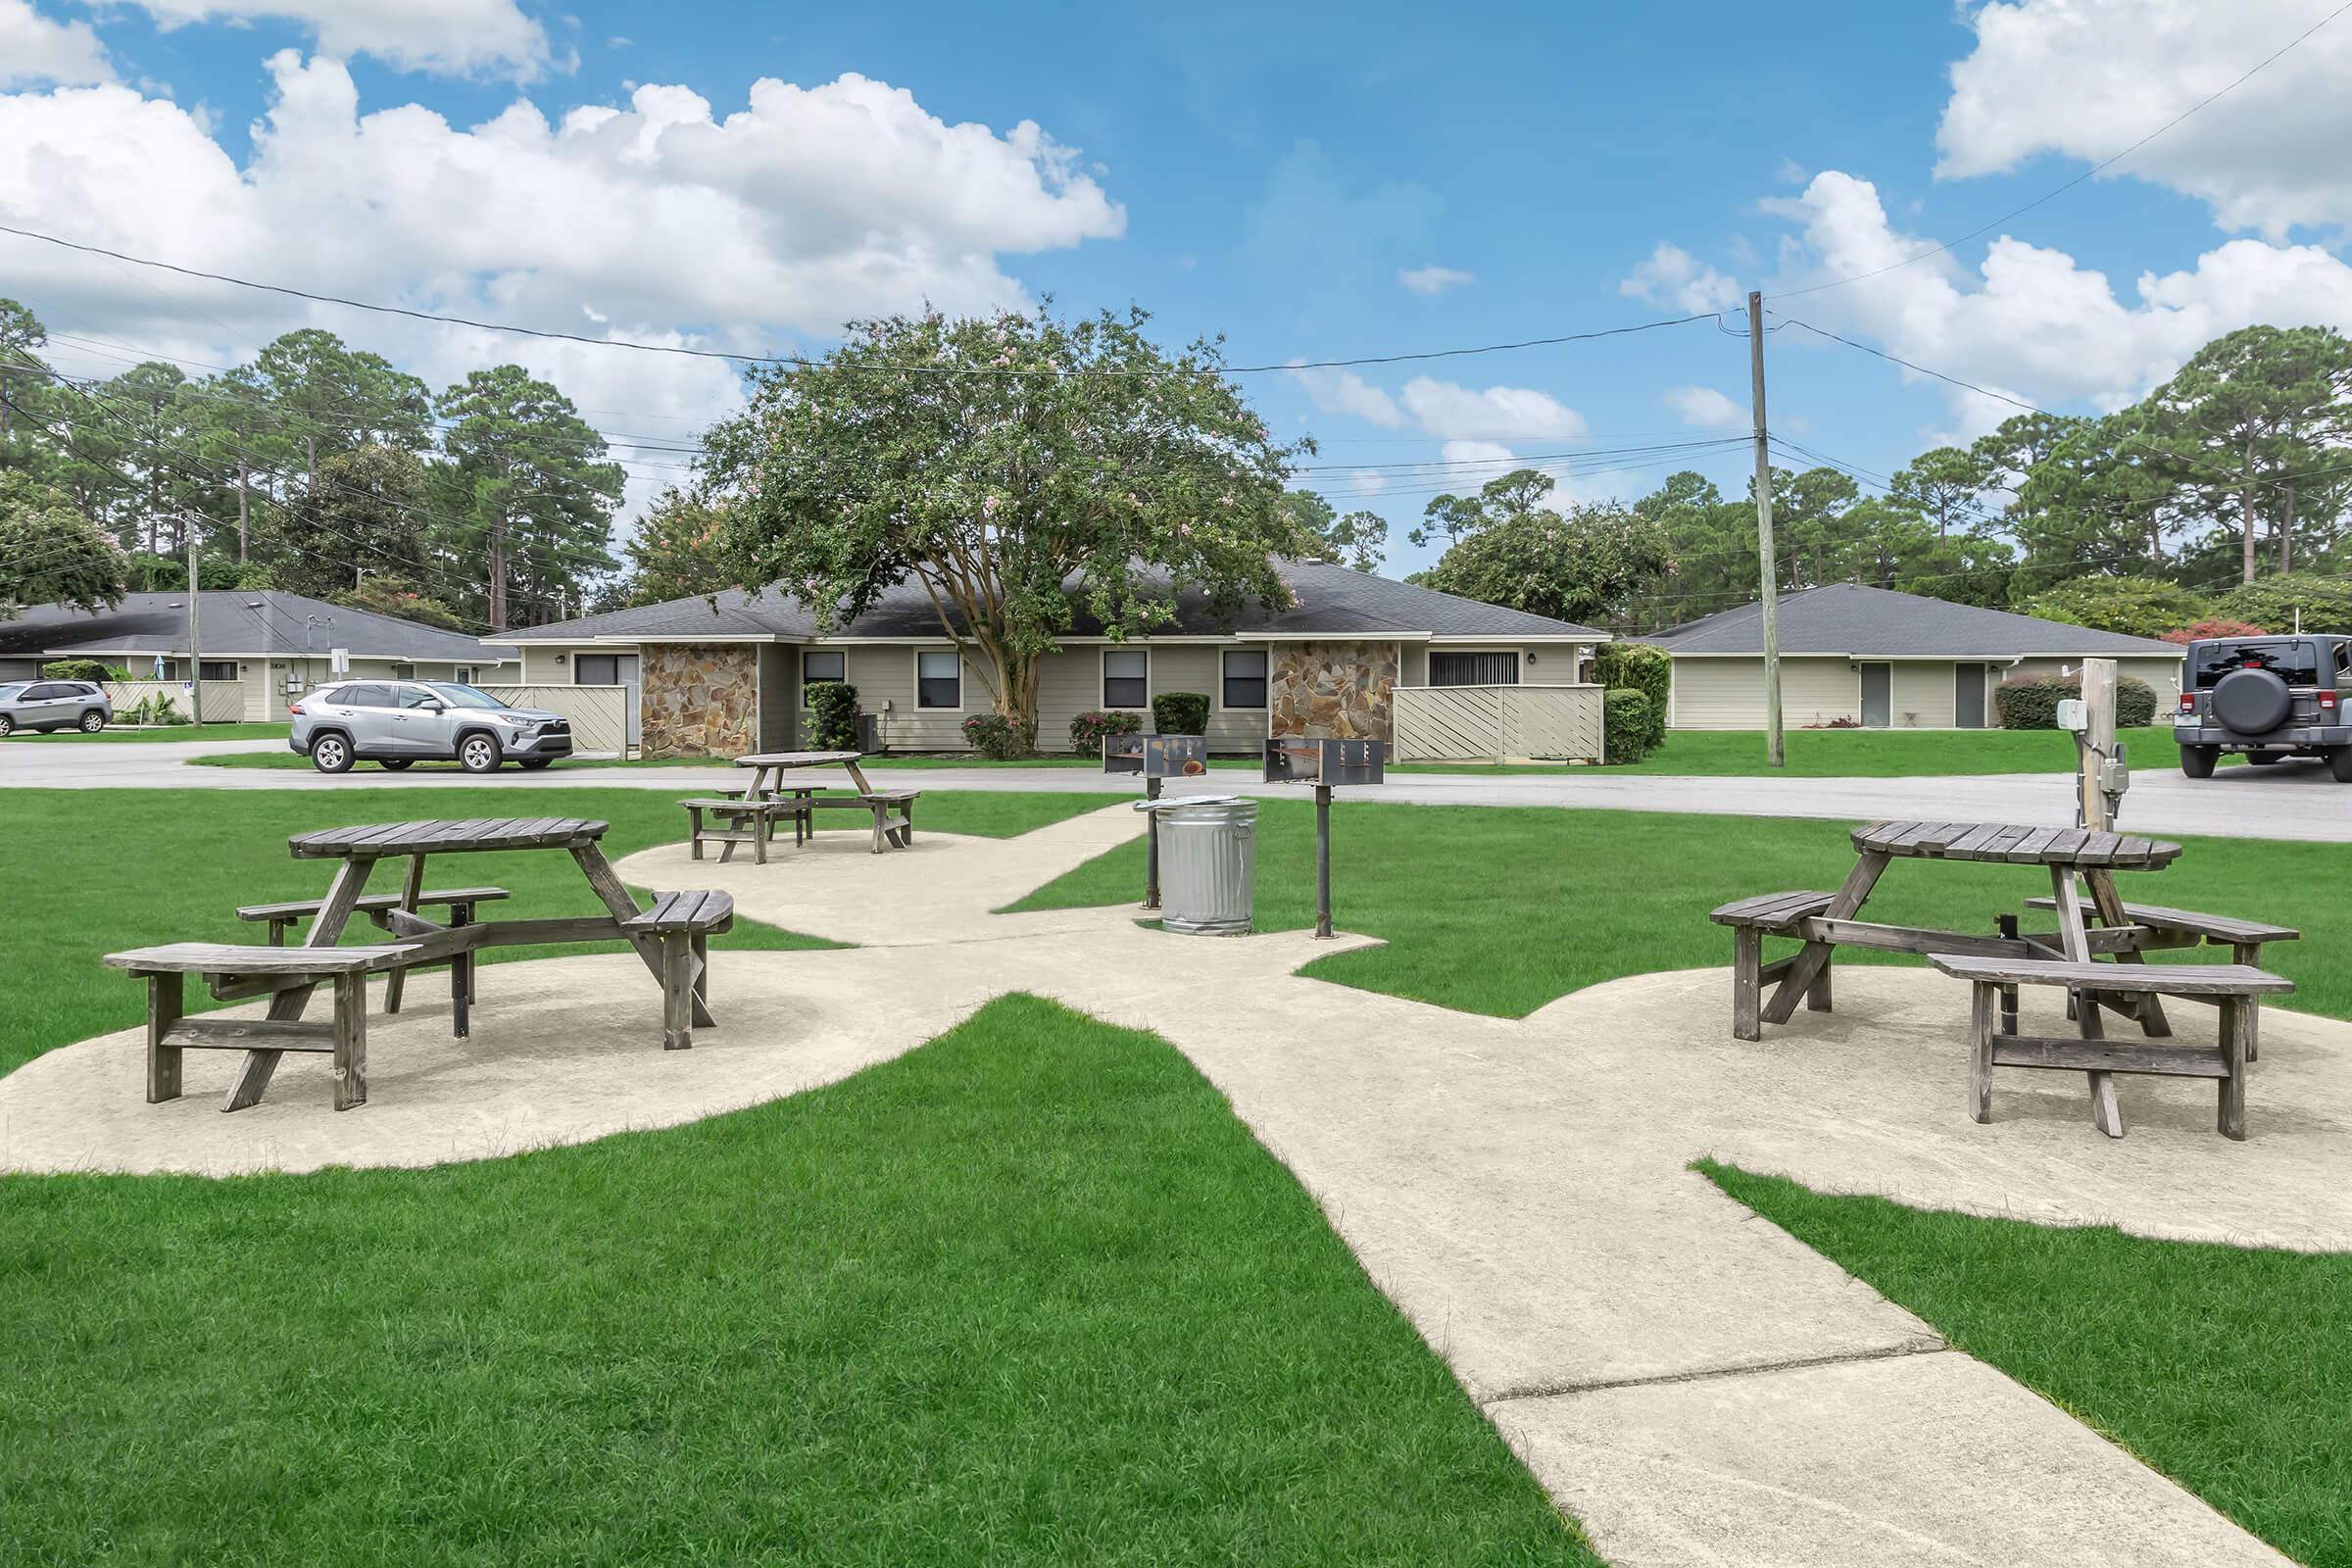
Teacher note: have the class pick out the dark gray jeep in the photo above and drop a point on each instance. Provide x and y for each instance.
(2271, 698)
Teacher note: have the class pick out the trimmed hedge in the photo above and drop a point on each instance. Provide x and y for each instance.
(1088, 731)
(1180, 713)
(833, 715)
(1635, 666)
(1628, 723)
(2032, 702)
(75, 669)
(1000, 739)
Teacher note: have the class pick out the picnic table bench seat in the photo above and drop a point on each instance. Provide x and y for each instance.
(2220, 930)
(2235, 986)
(742, 819)
(1752, 920)
(681, 925)
(892, 813)
(460, 902)
(170, 1031)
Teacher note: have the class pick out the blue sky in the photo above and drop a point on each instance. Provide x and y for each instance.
(1267, 173)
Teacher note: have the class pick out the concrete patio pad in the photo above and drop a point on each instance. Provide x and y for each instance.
(1694, 1384)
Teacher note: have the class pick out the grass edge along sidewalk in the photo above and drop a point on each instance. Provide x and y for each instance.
(2228, 1369)
(1031, 1293)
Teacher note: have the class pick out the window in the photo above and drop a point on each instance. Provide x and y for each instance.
(1472, 669)
(596, 669)
(463, 673)
(43, 693)
(365, 696)
(1242, 671)
(403, 671)
(820, 664)
(1126, 677)
(416, 696)
(938, 680)
(220, 670)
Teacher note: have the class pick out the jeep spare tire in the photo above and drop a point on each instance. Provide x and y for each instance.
(2251, 702)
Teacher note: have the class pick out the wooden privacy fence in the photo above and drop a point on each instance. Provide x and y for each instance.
(224, 700)
(1498, 723)
(599, 715)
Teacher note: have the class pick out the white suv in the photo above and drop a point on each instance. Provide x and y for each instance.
(397, 722)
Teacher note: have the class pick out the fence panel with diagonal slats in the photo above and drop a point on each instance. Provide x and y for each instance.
(1496, 723)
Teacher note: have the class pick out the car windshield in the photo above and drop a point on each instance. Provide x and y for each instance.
(12, 689)
(2294, 659)
(464, 695)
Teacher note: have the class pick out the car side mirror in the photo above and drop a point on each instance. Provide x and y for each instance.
(433, 706)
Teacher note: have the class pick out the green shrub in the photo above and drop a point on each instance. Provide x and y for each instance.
(2137, 606)
(1180, 713)
(1628, 723)
(1088, 731)
(1000, 739)
(75, 669)
(2030, 702)
(1634, 666)
(833, 715)
(2324, 602)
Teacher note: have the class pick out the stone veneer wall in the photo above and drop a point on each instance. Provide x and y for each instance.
(700, 699)
(1337, 690)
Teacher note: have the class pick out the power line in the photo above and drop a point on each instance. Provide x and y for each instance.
(2092, 172)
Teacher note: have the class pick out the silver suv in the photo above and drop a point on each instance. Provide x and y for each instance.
(398, 723)
(47, 704)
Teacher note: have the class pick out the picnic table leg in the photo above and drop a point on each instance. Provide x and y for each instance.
(613, 894)
(461, 976)
(1748, 957)
(1983, 1004)
(165, 997)
(700, 947)
(1814, 956)
(2105, 1113)
(2237, 1034)
(351, 1041)
(2250, 953)
(2110, 904)
(695, 833)
(881, 828)
(412, 888)
(327, 929)
(2006, 925)
(678, 993)
(759, 833)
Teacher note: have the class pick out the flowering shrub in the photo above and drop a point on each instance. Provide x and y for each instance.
(2212, 628)
(999, 738)
(1088, 731)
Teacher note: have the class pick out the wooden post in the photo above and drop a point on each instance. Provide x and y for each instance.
(165, 993)
(187, 525)
(2237, 1013)
(1984, 1001)
(2098, 741)
(1322, 859)
(1747, 985)
(1151, 847)
(351, 1040)
(1774, 746)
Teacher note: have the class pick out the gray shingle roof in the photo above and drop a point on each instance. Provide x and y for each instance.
(1852, 618)
(1333, 601)
(227, 625)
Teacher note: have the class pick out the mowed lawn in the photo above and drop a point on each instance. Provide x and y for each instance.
(1502, 910)
(1029, 1294)
(165, 732)
(128, 868)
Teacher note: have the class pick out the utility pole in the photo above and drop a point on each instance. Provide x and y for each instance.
(1774, 746)
(195, 650)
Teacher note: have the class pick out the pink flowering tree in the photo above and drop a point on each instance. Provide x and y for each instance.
(1022, 468)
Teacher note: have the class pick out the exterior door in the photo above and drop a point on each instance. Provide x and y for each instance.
(1878, 696)
(1968, 696)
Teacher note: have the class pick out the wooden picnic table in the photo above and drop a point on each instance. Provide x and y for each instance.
(360, 848)
(769, 768)
(891, 810)
(2076, 859)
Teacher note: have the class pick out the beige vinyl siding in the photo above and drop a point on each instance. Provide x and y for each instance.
(542, 665)
(2162, 674)
(1728, 693)
(885, 673)
(1920, 694)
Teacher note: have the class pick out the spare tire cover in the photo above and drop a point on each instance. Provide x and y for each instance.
(2251, 702)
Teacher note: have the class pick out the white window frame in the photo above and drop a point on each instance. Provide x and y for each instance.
(1102, 700)
(842, 653)
(915, 656)
(1264, 652)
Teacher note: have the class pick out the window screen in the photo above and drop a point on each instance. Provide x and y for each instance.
(1474, 670)
(1126, 677)
(822, 663)
(938, 680)
(596, 669)
(1244, 672)
(220, 670)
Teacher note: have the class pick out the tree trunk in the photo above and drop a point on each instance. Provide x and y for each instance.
(1016, 685)
(498, 571)
(2286, 532)
(244, 514)
(2245, 513)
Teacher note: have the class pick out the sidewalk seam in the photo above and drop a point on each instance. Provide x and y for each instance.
(1921, 1347)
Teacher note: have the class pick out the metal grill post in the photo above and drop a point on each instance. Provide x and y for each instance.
(1151, 847)
(1322, 859)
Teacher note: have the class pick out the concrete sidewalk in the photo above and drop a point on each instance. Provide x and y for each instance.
(1692, 1384)
(2295, 801)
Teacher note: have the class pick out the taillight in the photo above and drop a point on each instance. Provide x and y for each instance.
(2189, 702)
(2327, 701)
(295, 709)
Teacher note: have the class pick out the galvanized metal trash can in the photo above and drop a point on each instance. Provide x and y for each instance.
(1208, 863)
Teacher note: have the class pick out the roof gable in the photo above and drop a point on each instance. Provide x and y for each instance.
(1856, 619)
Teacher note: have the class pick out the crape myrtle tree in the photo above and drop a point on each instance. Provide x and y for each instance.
(1018, 467)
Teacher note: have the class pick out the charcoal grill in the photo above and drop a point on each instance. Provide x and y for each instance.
(1324, 764)
(1158, 757)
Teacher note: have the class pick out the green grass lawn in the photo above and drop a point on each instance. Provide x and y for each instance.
(1028, 1295)
(165, 732)
(2228, 1369)
(295, 763)
(1493, 911)
(200, 854)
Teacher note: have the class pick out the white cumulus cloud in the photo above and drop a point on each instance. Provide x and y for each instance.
(1475, 452)
(1493, 414)
(35, 49)
(468, 37)
(1707, 409)
(1345, 392)
(2085, 78)
(1672, 276)
(1434, 279)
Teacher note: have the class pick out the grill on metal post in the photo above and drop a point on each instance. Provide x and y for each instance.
(1325, 763)
(1158, 757)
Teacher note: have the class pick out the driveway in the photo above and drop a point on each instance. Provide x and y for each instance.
(2293, 801)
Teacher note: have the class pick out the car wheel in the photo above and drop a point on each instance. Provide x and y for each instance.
(8, 726)
(2197, 760)
(2266, 759)
(478, 754)
(332, 754)
(393, 764)
(532, 764)
(93, 721)
(2339, 764)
